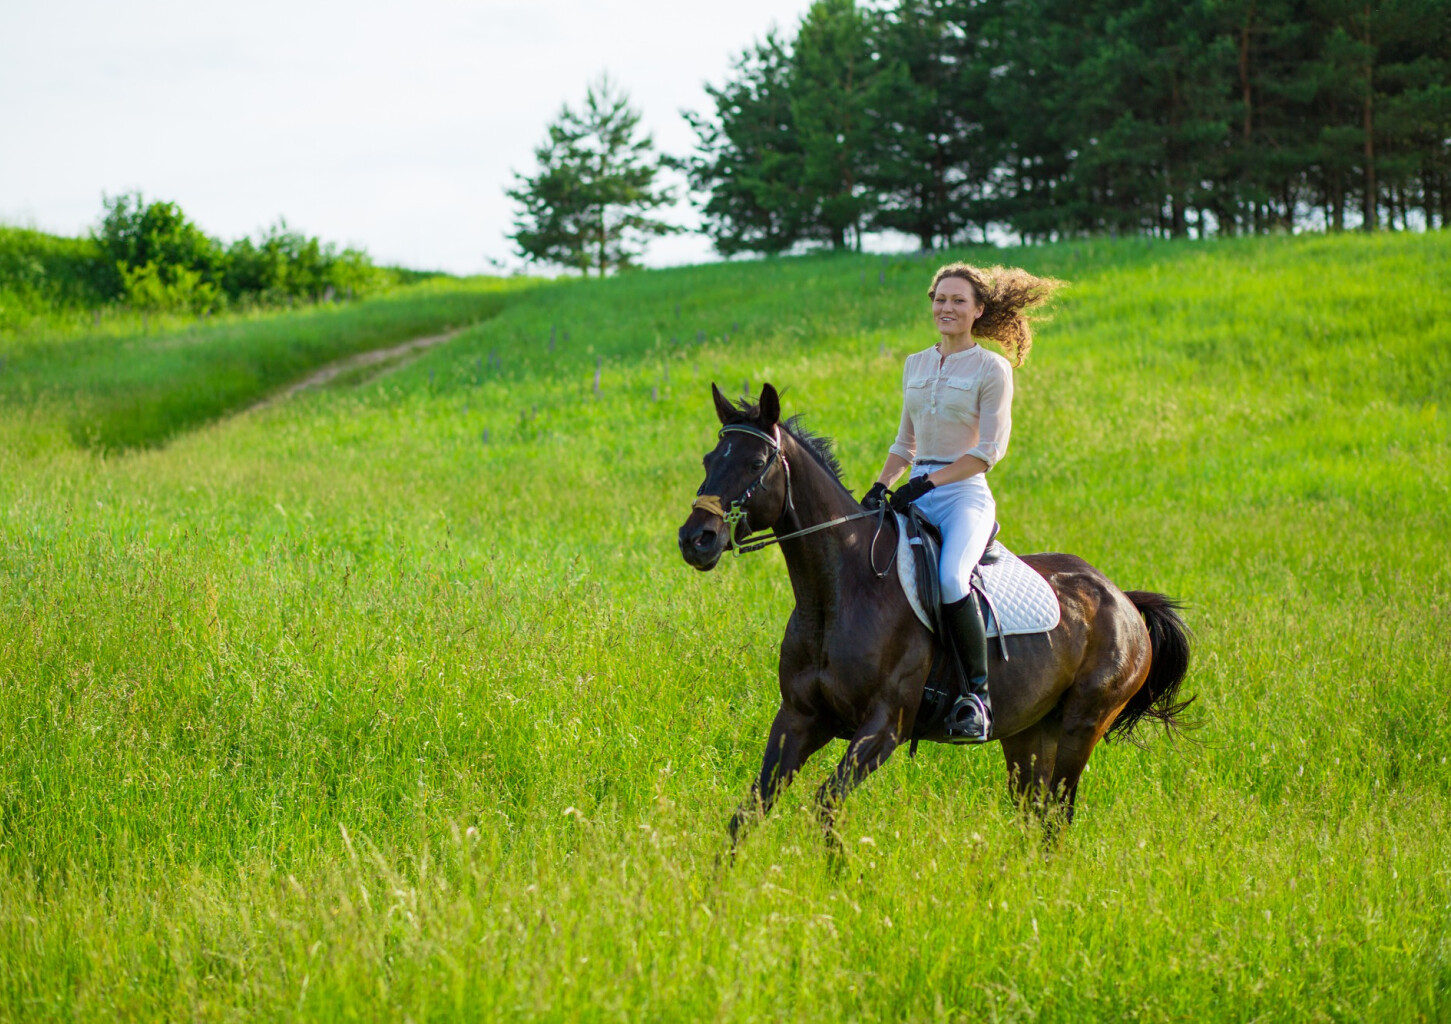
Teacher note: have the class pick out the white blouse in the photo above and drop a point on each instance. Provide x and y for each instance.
(960, 405)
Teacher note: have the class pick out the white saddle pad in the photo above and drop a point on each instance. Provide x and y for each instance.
(1023, 598)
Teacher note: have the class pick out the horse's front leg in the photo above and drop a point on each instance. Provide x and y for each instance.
(794, 738)
(870, 747)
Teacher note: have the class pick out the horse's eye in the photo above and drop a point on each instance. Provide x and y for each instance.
(758, 464)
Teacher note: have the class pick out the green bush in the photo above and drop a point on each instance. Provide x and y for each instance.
(285, 263)
(135, 235)
(150, 258)
(41, 272)
(150, 288)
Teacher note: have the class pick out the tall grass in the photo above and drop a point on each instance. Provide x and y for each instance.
(397, 701)
(113, 392)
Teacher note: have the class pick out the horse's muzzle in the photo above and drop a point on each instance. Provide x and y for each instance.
(702, 539)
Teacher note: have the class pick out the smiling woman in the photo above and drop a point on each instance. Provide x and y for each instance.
(956, 417)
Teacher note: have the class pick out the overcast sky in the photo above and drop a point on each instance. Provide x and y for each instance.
(390, 126)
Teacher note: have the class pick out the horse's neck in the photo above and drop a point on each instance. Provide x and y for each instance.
(820, 564)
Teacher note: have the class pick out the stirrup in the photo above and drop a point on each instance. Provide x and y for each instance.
(969, 720)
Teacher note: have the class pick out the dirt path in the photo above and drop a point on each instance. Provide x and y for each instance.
(324, 374)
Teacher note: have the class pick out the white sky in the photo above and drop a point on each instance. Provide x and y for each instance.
(390, 126)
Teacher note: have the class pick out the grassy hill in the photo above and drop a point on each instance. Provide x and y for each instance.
(397, 700)
(125, 386)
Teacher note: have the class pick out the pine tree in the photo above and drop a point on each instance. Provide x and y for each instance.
(934, 144)
(1393, 57)
(1034, 48)
(589, 205)
(1161, 134)
(832, 84)
(749, 162)
(1418, 115)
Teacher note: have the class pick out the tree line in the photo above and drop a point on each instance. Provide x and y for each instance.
(969, 120)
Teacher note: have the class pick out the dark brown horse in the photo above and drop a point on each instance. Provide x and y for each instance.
(855, 658)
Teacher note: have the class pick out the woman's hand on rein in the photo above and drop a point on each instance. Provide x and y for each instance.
(909, 492)
(876, 497)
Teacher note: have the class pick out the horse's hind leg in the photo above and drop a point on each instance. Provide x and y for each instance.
(793, 739)
(1073, 750)
(1088, 711)
(1032, 756)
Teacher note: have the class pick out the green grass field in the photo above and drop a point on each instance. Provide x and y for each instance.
(126, 387)
(396, 701)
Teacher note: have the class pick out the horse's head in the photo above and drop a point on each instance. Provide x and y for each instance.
(745, 486)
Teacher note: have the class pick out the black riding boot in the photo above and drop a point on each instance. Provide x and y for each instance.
(969, 720)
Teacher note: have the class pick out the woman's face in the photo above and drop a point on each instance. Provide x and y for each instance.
(954, 307)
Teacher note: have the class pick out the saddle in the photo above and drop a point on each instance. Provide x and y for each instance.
(926, 543)
(1015, 599)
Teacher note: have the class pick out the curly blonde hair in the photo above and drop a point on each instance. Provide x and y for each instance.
(1004, 294)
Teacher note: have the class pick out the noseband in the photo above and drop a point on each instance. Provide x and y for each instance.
(736, 513)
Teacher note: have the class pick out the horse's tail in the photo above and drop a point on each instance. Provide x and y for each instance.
(1168, 665)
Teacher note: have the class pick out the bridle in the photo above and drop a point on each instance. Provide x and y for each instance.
(735, 513)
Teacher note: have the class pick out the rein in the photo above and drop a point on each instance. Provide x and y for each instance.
(736, 512)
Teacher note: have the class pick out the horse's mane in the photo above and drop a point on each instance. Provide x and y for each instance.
(821, 447)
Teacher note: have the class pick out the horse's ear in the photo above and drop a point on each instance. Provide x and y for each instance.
(770, 406)
(723, 407)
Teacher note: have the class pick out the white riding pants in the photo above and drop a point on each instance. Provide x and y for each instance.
(965, 512)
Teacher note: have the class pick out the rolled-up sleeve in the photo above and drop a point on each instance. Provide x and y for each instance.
(905, 445)
(995, 413)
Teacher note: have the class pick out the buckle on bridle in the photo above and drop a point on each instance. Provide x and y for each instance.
(735, 514)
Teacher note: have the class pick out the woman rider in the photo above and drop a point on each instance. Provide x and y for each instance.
(957, 401)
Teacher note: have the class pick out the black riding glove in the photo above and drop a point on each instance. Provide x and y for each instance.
(909, 492)
(876, 497)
